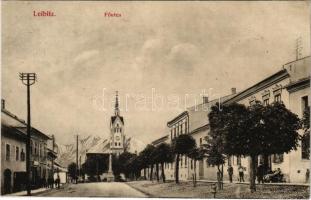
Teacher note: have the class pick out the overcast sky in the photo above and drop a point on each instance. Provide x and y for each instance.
(82, 57)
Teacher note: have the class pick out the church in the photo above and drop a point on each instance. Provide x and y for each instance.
(117, 137)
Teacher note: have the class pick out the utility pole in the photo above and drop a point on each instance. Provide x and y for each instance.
(28, 79)
(53, 145)
(77, 161)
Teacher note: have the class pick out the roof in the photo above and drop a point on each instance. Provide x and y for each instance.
(274, 78)
(298, 85)
(160, 140)
(185, 113)
(202, 128)
(113, 118)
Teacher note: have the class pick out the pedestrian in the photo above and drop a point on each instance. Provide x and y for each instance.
(307, 176)
(260, 173)
(230, 172)
(241, 173)
(58, 181)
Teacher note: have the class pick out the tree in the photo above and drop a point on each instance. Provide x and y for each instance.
(163, 154)
(196, 154)
(146, 156)
(255, 130)
(181, 145)
(95, 164)
(72, 170)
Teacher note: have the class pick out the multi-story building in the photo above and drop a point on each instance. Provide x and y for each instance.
(291, 86)
(13, 152)
(193, 121)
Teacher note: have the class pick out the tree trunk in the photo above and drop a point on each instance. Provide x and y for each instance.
(145, 173)
(252, 173)
(222, 176)
(163, 174)
(157, 171)
(219, 177)
(151, 173)
(177, 169)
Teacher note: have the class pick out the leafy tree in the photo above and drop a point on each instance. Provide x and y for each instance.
(95, 165)
(147, 159)
(196, 154)
(254, 130)
(72, 170)
(181, 145)
(163, 154)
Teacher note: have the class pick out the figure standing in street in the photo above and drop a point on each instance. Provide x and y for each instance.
(241, 173)
(230, 173)
(260, 173)
(307, 176)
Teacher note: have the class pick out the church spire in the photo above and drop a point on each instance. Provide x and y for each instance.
(116, 107)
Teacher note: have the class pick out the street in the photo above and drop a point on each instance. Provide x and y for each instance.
(101, 189)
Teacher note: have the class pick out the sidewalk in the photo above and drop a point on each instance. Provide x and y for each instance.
(24, 193)
(237, 182)
(36, 191)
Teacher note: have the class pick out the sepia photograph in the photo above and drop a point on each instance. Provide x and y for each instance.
(155, 99)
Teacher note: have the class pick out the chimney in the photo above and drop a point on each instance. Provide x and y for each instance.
(205, 99)
(2, 104)
(233, 90)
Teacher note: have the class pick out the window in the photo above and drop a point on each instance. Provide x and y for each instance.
(266, 102)
(305, 146)
(115, 144)
(238, 160)
(304, 104)
(229, 161)
(31, 146)
(277, 98)
(181, 129)
(119, 143)
(17, 153)
(178, 130)
(22, 155)
(7, 152)
(278, 158)
(36, 150)
(181, 159)
(186, 127)
(185, 161)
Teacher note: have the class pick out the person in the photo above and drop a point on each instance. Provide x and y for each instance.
(241, 173)
(58, 181)
(260, 173)
(307, 176)
(230, 173)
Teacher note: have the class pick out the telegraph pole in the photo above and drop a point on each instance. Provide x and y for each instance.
(28, 79)
(77, 161)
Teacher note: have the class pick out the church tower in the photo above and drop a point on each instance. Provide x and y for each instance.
(117, 137)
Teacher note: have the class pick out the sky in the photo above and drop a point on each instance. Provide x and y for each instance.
(159, 56)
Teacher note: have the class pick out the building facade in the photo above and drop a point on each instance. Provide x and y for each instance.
(291, 85)
(13, 153)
